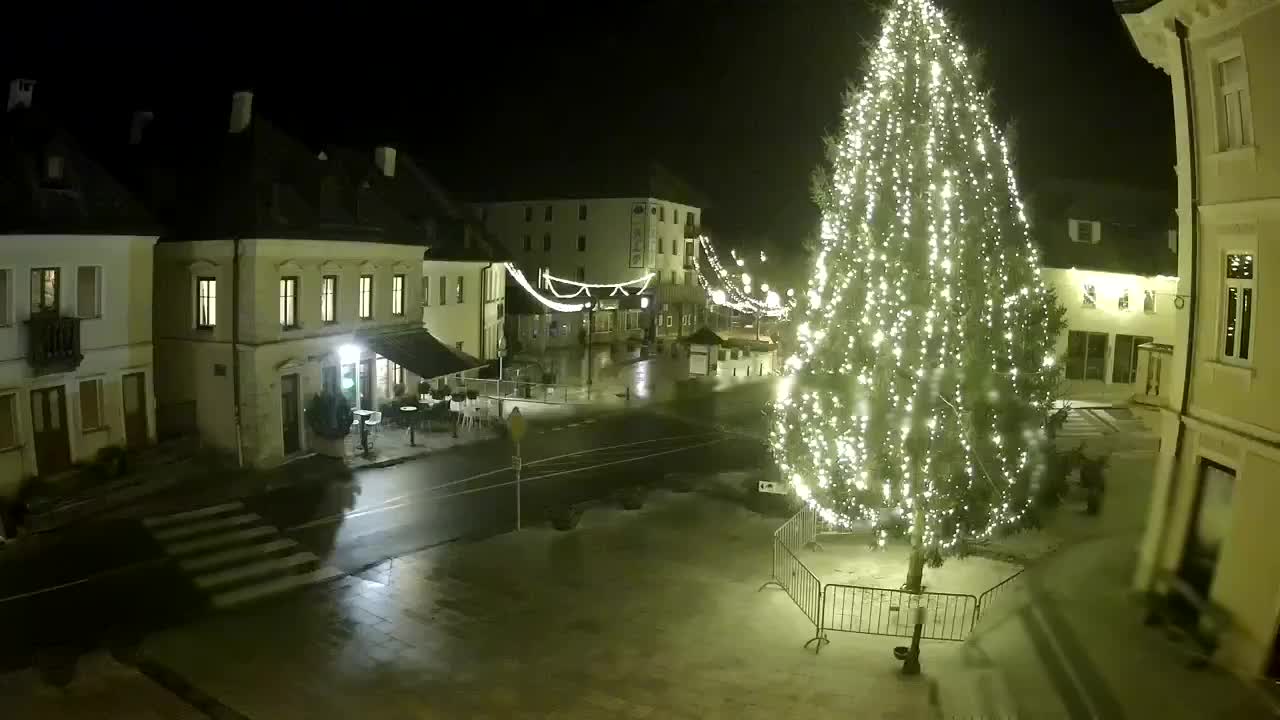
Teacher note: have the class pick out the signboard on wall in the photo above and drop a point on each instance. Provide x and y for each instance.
(652, 259)
(639, 238)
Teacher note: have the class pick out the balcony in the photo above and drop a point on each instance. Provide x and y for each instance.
(53, 343)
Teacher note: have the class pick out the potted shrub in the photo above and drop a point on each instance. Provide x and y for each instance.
(632, 497)
(566, 517)
(329, 417)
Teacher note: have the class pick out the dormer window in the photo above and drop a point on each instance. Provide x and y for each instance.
(1085, 231)
(53, 168)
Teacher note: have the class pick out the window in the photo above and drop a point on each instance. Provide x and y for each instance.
(366, 297)
(44, 290)
(528, 213)
(528, 243)
(1124, 368)
(673, 278)
(426, 291)
(1085, 231)
(582, 212)
(1235, 116)
(458, 291)
(444, 289)
(91, 405)
(669, 320)
(1123, 303)
(8, 421)
(1149, 301)
(546, 214)
(458, 346)
(288, 302)
(206, 302)
(1086, 355)
(546, 242)
(6, 300)
(582, 274)
(691, 220)
(397, 294)
(397, 375)
(582, 243)
(661, 244)
(88, 291)
(1090, 296)
(1237, 322)
(675, 216)
(329, 299)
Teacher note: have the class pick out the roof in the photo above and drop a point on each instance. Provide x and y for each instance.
(1135, 221)
(84, 199)
(704, 336)
(570, 179)
(421, 352)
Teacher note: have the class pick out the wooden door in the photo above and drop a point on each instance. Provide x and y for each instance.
(134, 388)
(290, 424)
(49, 430)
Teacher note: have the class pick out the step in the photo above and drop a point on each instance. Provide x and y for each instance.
(204, 526)
(274, 586)
(266, 566)
(236, 554)
(159, 521)
(220, 540)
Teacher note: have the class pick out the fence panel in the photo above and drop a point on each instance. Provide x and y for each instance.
(999, 595)
(877, 611)
(804, 588)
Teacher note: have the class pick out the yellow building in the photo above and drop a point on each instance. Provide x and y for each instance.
(1211, 529)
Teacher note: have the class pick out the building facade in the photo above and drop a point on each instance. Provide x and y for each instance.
(1110, 253)
(647, 228)
(1212, 517)
(75, 303)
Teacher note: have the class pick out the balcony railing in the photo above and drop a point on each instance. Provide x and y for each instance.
(53, 343)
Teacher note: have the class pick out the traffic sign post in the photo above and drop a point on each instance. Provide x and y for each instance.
(516, 426)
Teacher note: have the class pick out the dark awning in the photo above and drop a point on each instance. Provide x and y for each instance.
(420, 352)
(704, 336)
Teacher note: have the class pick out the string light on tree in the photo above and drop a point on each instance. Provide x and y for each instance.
(735, 290)
(925, 368)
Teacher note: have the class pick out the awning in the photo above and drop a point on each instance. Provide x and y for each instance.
(420, 352)
(704, 336)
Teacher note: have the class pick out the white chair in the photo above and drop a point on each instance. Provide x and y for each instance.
(375, 423)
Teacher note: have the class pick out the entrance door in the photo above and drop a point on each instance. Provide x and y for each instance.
(1209, 526)
(1124, 368)
(290, 426)
(366, 384)
(134, 387)
(49, 430)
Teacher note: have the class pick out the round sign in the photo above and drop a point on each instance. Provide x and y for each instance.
(516, 425)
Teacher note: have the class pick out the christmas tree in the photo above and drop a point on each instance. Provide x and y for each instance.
(918, 396)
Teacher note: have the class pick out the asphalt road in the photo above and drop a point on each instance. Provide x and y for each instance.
(110, 584)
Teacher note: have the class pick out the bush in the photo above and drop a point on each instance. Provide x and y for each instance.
(632, 498)
(329, 416)
(566, 517)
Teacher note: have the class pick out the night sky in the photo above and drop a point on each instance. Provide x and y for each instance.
(735, 96)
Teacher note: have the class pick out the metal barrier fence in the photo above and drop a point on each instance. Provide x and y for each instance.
(877, 611)
(793, 576)
(993, 597)
(540, 392)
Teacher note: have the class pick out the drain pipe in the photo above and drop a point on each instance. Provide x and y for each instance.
(1193, 169)
(235, 345)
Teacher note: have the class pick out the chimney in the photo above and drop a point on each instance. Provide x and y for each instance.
(241, 111)
(20, 91)
(385, 158)
(141, 119)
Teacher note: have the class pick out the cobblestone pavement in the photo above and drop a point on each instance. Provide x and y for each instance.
(648, 614)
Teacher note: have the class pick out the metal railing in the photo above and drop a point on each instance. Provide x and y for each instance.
(877, 611)
(539, 392)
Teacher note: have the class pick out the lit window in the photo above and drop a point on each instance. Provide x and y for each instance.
(1085, 231)
(329, 298)
(366, 297)
(1123, 303)
(458, 293)
(426, 291)
(1148, 301)
(44, 290)
(1090, 295)
(1237, 321)
(206, 302)
(397, 294)
(288, 302)
(443, 289)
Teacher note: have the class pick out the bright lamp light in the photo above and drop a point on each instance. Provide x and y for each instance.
(349, 353)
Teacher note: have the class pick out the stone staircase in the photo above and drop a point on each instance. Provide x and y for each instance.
(233, 556)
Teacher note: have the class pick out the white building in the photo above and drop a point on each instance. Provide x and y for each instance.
(1110, 253)
(1211, 528)
(612, 232)
(291, 274)
(75, 304)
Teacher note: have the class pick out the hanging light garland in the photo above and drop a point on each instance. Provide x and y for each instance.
(635, 286)
(735, 291)
(518, 275)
